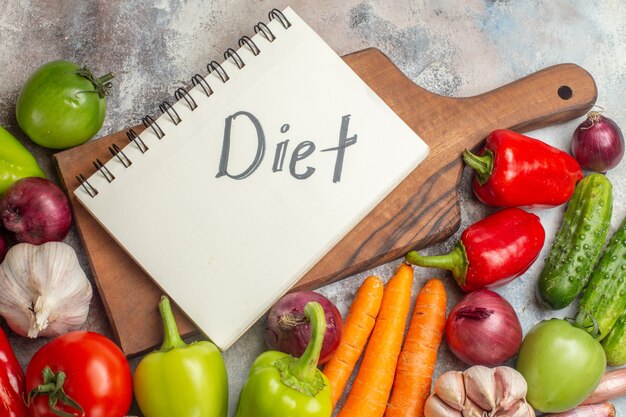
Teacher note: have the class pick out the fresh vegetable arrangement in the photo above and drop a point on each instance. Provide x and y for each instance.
(560, 364)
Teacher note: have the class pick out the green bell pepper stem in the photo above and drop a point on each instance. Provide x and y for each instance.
(455, 261)
(483, 165)
(171, 337)
(305, 368)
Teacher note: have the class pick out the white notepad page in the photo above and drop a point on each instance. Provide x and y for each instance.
(311, 150)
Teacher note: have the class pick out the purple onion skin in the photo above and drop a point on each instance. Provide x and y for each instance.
(483, 329)
(598, 143)
(4, 244)
(289, 331)
(36, 210)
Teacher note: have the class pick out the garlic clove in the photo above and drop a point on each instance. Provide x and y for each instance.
(450, 388)
(435, 407)
(510, 386)
(480, 386)
(519, 409)
(471, 409)
(43, 289)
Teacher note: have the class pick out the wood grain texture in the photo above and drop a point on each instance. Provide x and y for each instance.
(422, 210)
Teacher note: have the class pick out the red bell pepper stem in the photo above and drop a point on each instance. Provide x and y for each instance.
(455, 261)
(12, 401)
(482, 164)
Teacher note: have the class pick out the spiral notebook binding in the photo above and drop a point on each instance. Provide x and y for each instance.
(202, 82)
(245, 40)
(166, 107)
(117, 152)
(215, 66)
(182, 94)
(231, 53)
(277, 14)
(86, 185)
(103, 170)
(265, 31)
(134, 137)
(148, 121)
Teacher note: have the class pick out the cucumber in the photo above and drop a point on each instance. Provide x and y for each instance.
(604, 300)
(578, 242)
(614, 344)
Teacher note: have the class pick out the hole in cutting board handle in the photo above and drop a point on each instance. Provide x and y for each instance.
(565, 92)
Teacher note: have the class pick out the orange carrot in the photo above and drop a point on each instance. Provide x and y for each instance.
(411, 386)
(371, 388)
(356, 330)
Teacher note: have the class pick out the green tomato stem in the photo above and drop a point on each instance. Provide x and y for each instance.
(106, 78)
(171, 337)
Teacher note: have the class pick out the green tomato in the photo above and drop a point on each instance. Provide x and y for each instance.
(562, 365)
(62, 105)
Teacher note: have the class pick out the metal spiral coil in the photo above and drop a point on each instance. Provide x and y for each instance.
(183, 94)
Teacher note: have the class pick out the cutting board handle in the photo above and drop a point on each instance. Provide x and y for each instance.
(553, 95)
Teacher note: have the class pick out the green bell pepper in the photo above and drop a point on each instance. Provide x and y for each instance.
(16, 162)
(280, 385)
(179, 379)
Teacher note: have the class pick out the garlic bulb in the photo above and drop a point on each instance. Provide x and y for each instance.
(43, 290)
(479, 392)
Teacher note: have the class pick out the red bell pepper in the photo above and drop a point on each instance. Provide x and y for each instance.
(514, 170)
(492, 251)
(12, 402)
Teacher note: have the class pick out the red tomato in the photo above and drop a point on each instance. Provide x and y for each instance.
(98, 376)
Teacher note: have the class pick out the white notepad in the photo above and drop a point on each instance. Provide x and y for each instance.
(250, 189)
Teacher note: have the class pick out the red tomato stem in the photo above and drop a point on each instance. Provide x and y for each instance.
(53, 387)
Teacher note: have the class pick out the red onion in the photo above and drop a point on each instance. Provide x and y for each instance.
(483, 329)
(4, 244)
(598, 143)
(289, 331)
(36, 210)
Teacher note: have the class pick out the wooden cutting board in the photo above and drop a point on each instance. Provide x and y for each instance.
(422, 210)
